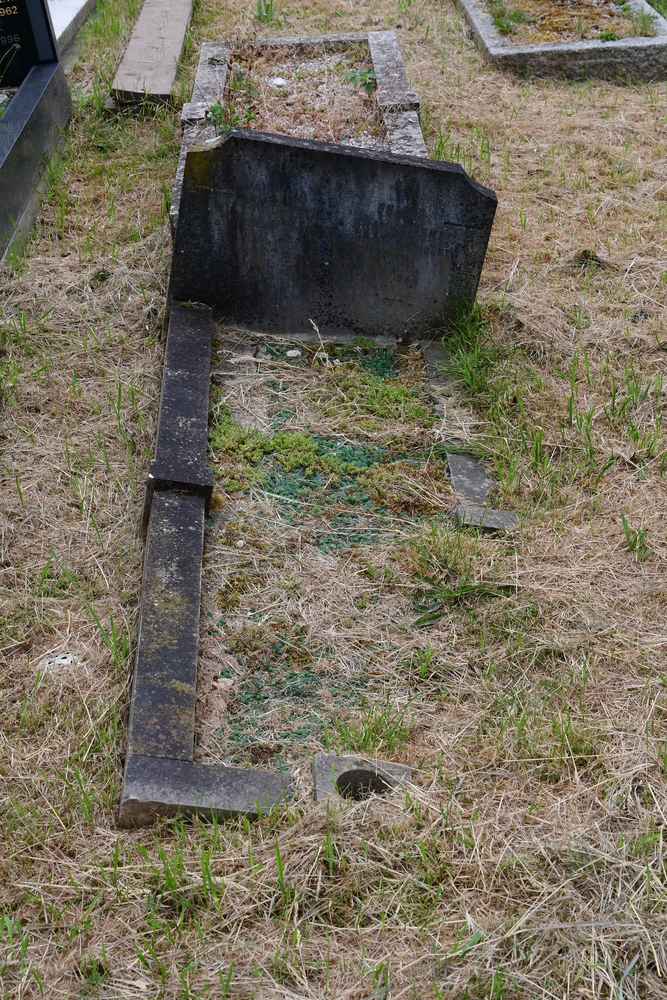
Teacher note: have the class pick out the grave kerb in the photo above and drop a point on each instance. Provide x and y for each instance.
(161, 776)
(636, 58)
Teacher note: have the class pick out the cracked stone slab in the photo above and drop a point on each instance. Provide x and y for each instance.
(405, 133)
(154, 786)
(355, 777)
(469, 477)
(486, 518)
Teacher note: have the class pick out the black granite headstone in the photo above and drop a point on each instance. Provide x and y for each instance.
(275, 231)
(26, 39)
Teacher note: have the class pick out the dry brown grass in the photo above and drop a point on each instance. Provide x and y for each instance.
(528, 860)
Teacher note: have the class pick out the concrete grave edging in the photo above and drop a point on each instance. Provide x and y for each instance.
(642, 58)
(397, 101)
(161, 776)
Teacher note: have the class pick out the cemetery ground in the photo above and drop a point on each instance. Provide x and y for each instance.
(527, 858)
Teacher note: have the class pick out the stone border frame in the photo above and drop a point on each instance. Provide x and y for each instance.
(641, 58)
(161, 777)
(31, 130)
(397, 102)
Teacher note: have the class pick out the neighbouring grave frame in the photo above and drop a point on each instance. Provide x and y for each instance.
(643, 58)
(67, 17)
(148, 68)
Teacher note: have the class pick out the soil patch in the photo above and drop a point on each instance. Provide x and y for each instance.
(309, 93)
(342, 461)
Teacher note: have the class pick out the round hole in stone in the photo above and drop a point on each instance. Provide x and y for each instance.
(360, 782)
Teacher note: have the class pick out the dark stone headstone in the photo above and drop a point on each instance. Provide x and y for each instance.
(26, 39)
(275, 231)
(30, 129)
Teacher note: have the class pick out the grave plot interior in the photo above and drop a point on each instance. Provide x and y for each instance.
(307, 268)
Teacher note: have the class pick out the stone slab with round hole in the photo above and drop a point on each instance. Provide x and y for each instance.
(355, 777)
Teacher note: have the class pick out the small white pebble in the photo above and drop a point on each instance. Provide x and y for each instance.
(295, 353)
(278, 81)
(240, 543)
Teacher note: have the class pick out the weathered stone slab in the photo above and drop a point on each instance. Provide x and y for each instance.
(155, 787)
(393, 92)
(30, 131)
(162, 713)
(149, 67)
(435, 358)
(275, 231)
(639, 58)
(486, 518)
(210, 82)
(355, 777)
(469, 477)
(180, 450)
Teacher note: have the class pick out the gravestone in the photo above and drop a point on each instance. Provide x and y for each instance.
(274, 232)
(26, 39)
(32, 126)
